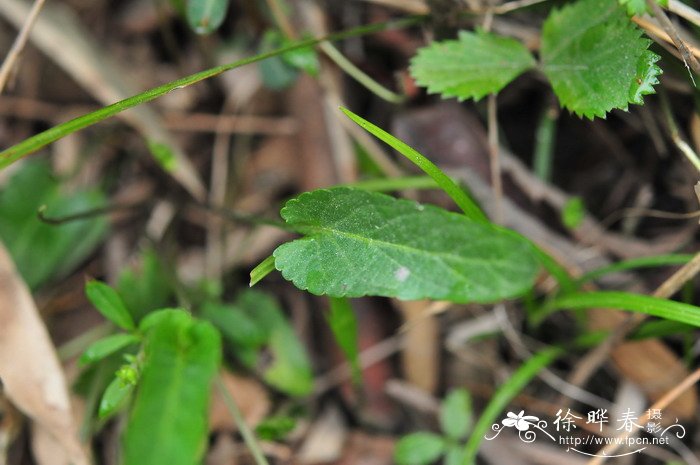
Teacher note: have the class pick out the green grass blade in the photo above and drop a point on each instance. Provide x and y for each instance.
(505, 393)
(654, 306)
(38, 141)
(451, 188)
(395, 184)
(634, 263)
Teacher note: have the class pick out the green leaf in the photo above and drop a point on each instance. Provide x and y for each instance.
(451, 188)
(454, 456)
(639, 7)
(168, 423)
(343, 323)
(504, 394)
(456, 414)
(147, 288)
(45, 251)
(236, 325)
(304, 59)
(107, 346)
(107, 301)
(275, 428)
(592, 55)
(164, 155)
(291, 369)
(276, 73)
(646, 78)
(654, 306)
(477, 64)
(364, 243)
(115, 397)
(419, 449)
(205, 16)
(573, 212)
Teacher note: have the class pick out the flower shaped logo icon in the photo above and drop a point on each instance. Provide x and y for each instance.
(521, 421)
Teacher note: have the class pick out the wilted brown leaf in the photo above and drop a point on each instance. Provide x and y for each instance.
(31, 373)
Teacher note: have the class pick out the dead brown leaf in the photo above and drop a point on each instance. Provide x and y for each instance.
(31, 374)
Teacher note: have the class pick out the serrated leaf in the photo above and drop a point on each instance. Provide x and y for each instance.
(477, 64)
(168, 422)
(107, 346)
(419, 449)
(456, 414)
(364, 243)
(591, 54)
(109, 304)
(205, 16)
(639, 7)
(646, 78)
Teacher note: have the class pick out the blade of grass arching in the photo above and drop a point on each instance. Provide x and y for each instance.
(396, 184)
(34, 143)
(504, 394)
(634, 263)
(468, 206)
(654, 306)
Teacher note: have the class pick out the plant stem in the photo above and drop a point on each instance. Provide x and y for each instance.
(264, 268)
(36, 142)
(468, 206)
(359, 75)
(246, 432)
(544, 144)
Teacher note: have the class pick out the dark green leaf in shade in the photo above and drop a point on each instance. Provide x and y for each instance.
(364, 243)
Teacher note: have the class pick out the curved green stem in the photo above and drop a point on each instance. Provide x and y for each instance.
(34, 143)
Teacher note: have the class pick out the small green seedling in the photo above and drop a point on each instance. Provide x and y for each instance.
(455, 423)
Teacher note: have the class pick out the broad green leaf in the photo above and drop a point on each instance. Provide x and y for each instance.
(256, 329)
(276, 73)
(456, 414)
(504, 394)
(454, 456)
(107, 346)
(304, 59)
(236, 326)
(639, 7)
(653, 306)
(45, 251)
(115, 397)
(205, 16)
(146, 288)
(477, 64)
(593, 56)
(343, 323)
(107, 301)
(364, 243)
(291, 369)
(419, 449)
(168, 423)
